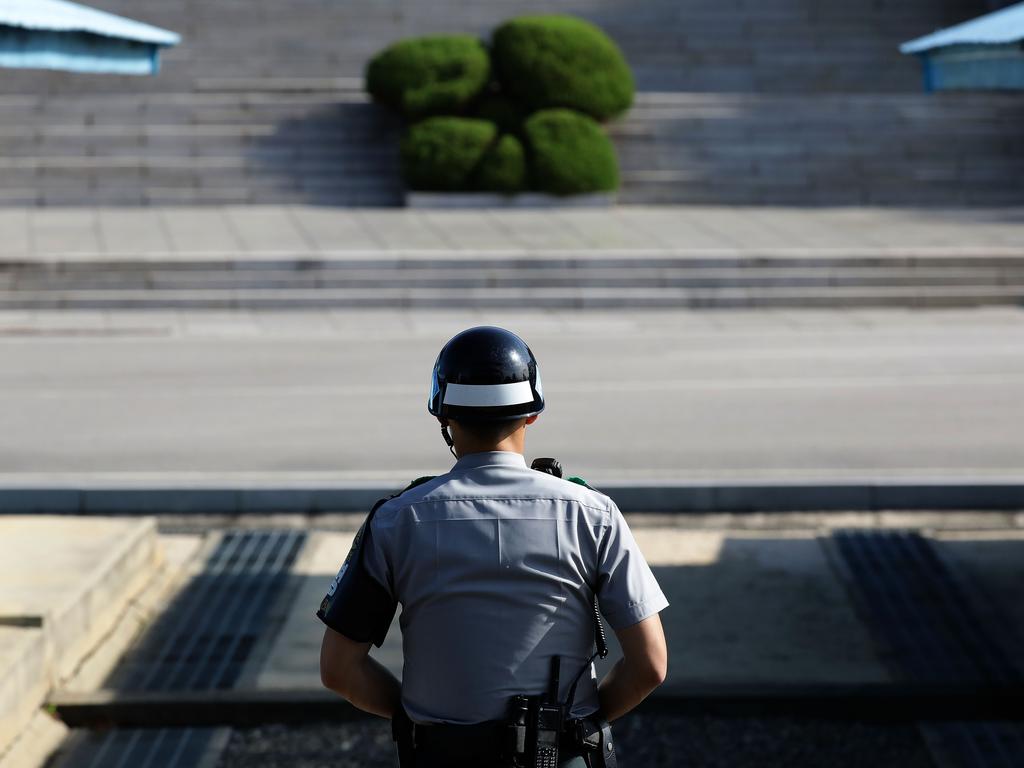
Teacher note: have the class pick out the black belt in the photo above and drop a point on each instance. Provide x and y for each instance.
(478, 738)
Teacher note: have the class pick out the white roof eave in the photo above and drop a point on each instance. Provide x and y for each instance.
(1002, 27)
(64, 16)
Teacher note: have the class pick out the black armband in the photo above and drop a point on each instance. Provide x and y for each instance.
(357, 605)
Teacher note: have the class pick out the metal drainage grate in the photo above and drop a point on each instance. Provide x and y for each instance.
(923, 615)
(200, 642)
(142, 748)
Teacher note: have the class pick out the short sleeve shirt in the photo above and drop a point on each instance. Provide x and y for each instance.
(495, 566)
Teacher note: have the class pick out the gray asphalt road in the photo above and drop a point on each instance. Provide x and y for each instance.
(335, 395)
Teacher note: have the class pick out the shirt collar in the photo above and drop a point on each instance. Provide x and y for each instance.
(490, 458)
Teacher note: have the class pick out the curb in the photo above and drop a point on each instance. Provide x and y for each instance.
(884, 702)
(633, 497)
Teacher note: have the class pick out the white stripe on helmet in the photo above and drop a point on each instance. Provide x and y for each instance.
(482, 395)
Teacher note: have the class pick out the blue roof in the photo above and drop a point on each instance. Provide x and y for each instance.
(998, 28)
(62, 16)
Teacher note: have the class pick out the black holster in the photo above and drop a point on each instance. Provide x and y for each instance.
(593, 737)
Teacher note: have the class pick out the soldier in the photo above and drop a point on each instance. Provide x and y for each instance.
(496, 567)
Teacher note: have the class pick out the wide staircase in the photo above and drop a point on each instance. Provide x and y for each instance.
(739, 101)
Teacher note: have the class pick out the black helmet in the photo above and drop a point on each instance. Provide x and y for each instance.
(485, 374)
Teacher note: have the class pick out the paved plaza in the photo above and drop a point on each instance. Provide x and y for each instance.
(182, 397)
(161, 234)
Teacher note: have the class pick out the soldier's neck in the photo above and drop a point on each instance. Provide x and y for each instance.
(515, 442)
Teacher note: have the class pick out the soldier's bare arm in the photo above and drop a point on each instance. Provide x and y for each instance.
(641, 669)
(347, 668)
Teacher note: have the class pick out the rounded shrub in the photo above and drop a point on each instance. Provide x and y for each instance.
(505, 113)
(562, 61)
(442, 153)
(569, 153)
(429, 75)
(503, 167)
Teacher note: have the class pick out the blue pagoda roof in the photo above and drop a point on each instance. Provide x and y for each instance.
(56, 34)
(62, 16)
(1000, 27)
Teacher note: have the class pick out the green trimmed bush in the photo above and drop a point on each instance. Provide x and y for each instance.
(569, 153)
(503, 167)
(429, 75)
(562, 61)
(505, 113)
(442, 153)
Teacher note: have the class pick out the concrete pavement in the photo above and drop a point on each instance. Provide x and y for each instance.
(167, 233)
(145, 399)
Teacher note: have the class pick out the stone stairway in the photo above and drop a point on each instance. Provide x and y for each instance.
(246, 146)
(762, 46)
(780, 101)
(321, 142)
(823, 149)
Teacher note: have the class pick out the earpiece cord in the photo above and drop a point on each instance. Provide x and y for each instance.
(448, 441)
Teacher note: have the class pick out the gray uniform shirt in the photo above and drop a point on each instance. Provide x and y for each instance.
(494, 565)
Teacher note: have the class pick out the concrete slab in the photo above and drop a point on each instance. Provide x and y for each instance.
(199, 229)
(266, 229)
(24, 679)
(626, 230)
(64, 231)
(70, 577)
(38, 740)
(760, 607)
(330, 229)
(410, 231)
(128, 232)
(14, 225)
(464, 230)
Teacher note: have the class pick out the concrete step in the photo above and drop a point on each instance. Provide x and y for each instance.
(88, 195)
(534, 298)
(388, 264)
(463, 278)
(64, 582)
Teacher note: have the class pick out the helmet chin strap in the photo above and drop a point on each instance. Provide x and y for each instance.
(448, 439)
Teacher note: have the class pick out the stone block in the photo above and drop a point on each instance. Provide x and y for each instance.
(25, 678)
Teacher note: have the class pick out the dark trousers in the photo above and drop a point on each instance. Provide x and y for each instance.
(429, 759)
(474, 747)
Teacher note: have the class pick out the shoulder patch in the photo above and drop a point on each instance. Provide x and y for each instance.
(580, 481)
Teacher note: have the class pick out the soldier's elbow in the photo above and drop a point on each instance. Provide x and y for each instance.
(659, 672)
(654, 670)
(332, 678)
(336, 671)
